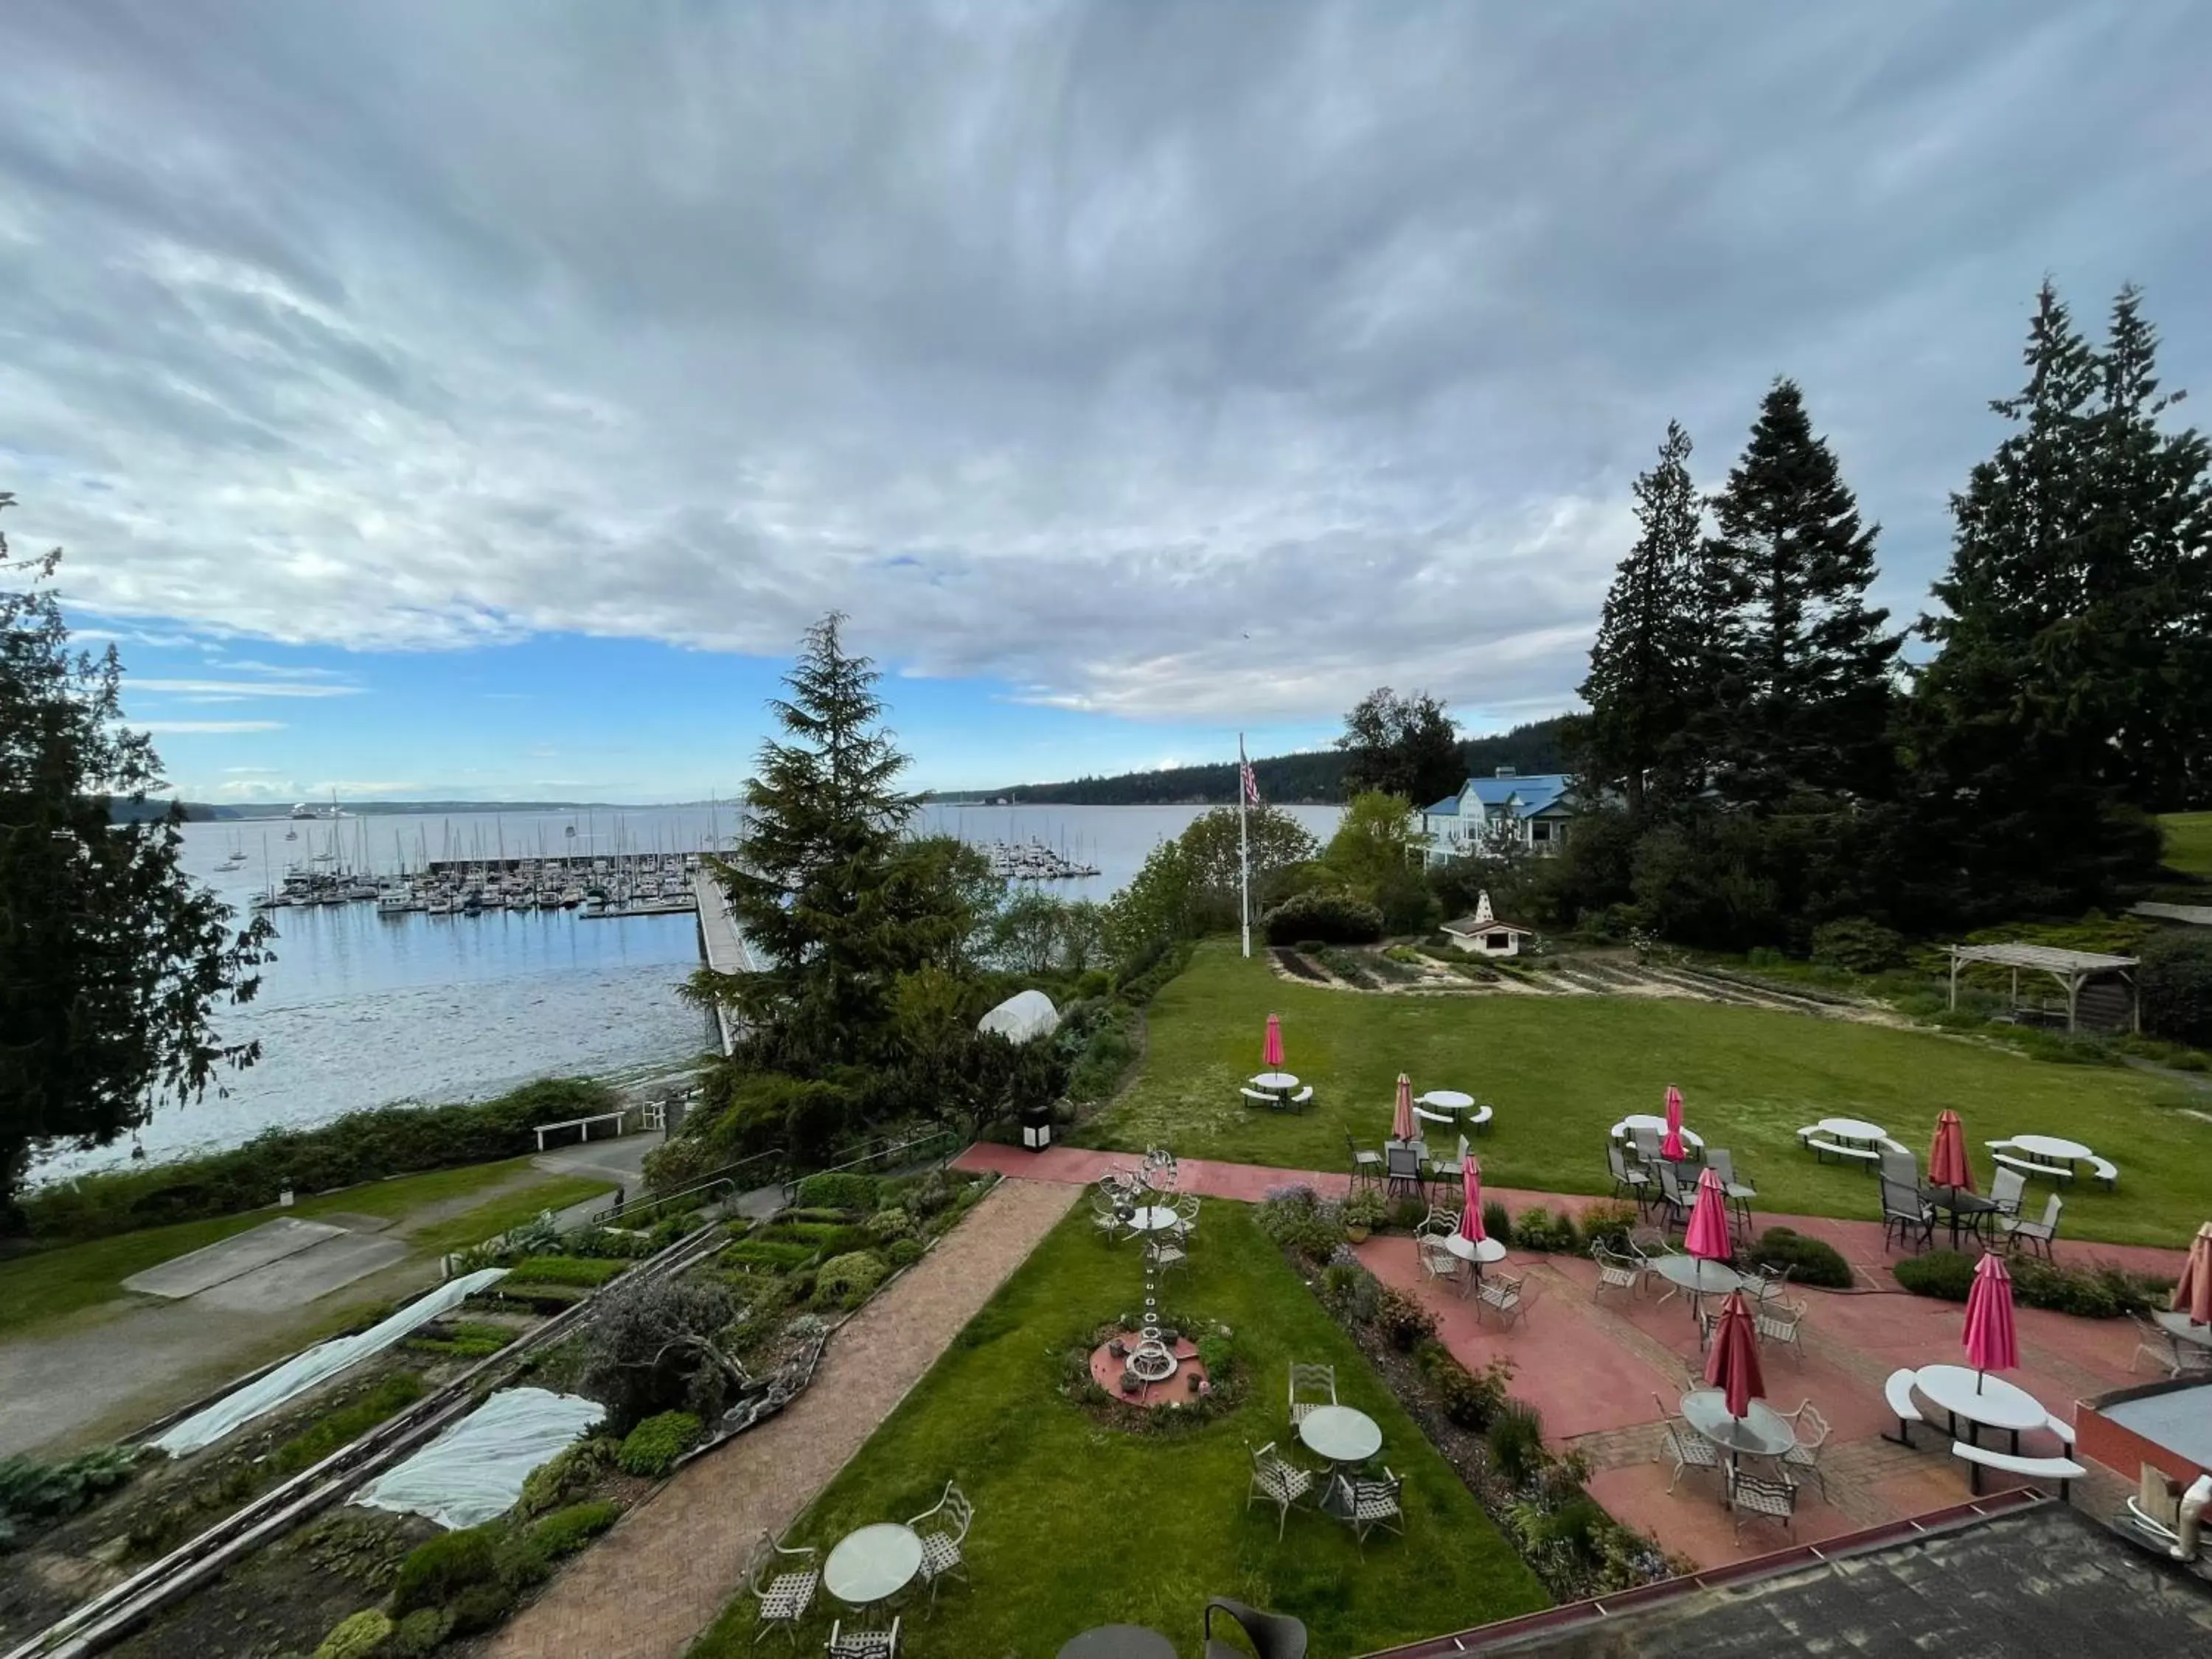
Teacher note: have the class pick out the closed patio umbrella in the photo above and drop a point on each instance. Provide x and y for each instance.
(1470, 1205)
(1671, 1148)
(1707, 1234)
(1732, 1366)
(1946, 1154)
(1992, 1343)
(2192, 1293)
(1271, 1047)
(1401, 1120)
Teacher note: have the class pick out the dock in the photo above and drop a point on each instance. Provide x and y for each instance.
(719, 942)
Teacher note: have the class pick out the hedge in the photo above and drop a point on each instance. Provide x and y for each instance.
(1325, 918)
(589, 1271)
(653, 1445)
(838, 1190)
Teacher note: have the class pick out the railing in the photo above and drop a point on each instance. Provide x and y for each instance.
(937, 1141)
(718, 1186)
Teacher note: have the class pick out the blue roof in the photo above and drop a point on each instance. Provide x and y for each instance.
(1535, 791)
(1446, 808)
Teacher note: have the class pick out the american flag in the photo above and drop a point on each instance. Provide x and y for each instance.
(1251, 783)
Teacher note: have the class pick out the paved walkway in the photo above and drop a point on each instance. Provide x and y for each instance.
(660, 1578)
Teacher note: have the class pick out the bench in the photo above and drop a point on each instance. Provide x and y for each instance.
(1821, 1146)
(2035, 1166)
(2060, 1427)
(1445, 1119)
(1478, 1118)
(1899, 1392)
(615, 1117)
(1302, 1099)
(2106, 1171)
(1260, 1098)
(2064, 1470)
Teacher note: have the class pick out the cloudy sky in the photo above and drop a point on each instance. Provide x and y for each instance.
(475, 397)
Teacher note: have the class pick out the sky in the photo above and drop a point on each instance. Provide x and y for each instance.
(459, 398)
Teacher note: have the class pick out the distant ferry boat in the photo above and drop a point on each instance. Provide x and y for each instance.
(309, 809)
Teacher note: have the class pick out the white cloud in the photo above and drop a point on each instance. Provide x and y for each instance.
(207, 725)
(237, 689)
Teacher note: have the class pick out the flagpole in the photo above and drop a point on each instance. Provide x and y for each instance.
(1243, 848)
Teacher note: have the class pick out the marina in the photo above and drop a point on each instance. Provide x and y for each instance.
(596, 887)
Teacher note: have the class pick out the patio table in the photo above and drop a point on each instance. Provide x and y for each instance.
(1474, 1252)
(1691, 1137)
(1856, 1131)
(873, 1563)
(1340, 1434)
(1118, 1642)
(1761, 1431)
(2053, 1150)
(2178, 1325)
(1700, 1277)
(1276, 1083)
(1446, 1100)
(1958, 1204)
(1153, 1218)
(1961, 1391)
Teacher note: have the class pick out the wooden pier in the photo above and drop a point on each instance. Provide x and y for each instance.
(719, 942)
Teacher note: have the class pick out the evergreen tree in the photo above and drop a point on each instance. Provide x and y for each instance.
(111, 958)
(1645, 664)
(1395, 745)
(1808, 705)
(814, 883)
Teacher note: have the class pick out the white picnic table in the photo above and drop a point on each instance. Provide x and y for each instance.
(2053, 1149)
(2180, 1325)
(1856, 1130)
(1981, 1399)
(1646, 1120)
(1277, 1083)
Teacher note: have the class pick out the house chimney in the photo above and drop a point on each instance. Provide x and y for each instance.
(1508, 772)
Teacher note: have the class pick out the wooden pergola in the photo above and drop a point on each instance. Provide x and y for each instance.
(2071, 968)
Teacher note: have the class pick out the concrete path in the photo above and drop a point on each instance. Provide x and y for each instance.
(227, 1259)
(650, 1586)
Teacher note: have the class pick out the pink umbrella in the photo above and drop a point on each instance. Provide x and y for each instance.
(1671, 1148)
(1993, 1344)
(2192, 1293)
(1270, 1050)
(1401, 1120)
(1946, 1156)
(1733, 1366)
(1470, 1201)
(1708, 1233)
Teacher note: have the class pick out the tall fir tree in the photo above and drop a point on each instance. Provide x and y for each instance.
(1803, 674)
(1645, 666)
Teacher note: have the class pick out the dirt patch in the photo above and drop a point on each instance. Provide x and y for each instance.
(1187, 1382)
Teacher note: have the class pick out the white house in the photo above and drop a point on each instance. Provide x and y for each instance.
(1483, 935)
(1507, 808)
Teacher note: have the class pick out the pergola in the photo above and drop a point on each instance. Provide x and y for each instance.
(2071, 968)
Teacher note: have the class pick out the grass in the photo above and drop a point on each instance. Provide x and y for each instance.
(47, 1285)
(1079, 1524)
(2189, 841)
(1562, 1070)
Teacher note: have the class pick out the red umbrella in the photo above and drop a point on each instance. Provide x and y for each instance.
(1271, 1049)
(1671, 1148)
(1946, 1156)
(1707, 1234)
(1401, 1120)
(1732, 1366)
(1470, 1205)
(1993, 1344)
(2192, 1293)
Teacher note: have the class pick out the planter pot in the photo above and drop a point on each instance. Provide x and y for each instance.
(1356, 1234)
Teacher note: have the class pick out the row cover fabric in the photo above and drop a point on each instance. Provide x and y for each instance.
(1022, 1016)
(475, 1470)
(316, 1364)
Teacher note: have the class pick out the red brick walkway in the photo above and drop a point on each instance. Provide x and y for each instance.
(1593, 1367)
(650, 1586)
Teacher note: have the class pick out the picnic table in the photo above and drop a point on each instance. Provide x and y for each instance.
(2052, 1149)
(2180, 1326)
(1981, 1399)
(1276, 1083)
(1691, 1137)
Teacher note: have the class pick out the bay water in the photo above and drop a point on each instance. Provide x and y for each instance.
(359, 1009)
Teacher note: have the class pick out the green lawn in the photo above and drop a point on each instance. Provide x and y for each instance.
(1561, 1070)
(1079, 1524)
(48, 1283)
(2189, 841)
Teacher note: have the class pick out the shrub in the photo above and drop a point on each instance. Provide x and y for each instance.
(840, 1189)
(439, 1570)
(1608, 1222)
(1404, 1322)
(903, 1252)
(566, 1476)
(1948, 1275)
(1298, 1221)
(887, 1225)
(480, 1607)
(1495, 1222)
(1813, 1262)
(655, 1444)
(1329, 918)
(1538, 1229)
(2175, 981)
(1352, 1290)
(1364, 1208)
(1857, 946)
(847, 1281)
(1473, 1400)
(588, 1272)
(33, 1491)
(1214, 1353)
(418, 1633)
(1515, 1442)
(644, 1349)
(2099, 1293)
(1406, 1213)
(353, 1638)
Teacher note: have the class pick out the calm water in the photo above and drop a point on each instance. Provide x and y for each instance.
(359, 1009)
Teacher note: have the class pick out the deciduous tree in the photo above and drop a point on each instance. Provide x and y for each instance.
(1395, 745)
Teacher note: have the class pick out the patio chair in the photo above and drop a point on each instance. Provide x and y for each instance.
(2005, 1190)
(861, 1643)
(1161, 1257)
(1905, 1214)
(1366, 1166)
(1755, 1500)
(1505, 1297)
(1318, 1384)
(1159, 1169)
(1647, 1143)
(1273, 1635)
(1902, 1167)
(1616, 1272)
(1108, 1213)
(1446, 1172)
(1738, 1193)
(785, 1598)
(1186, 1221)
(1678, 1440)
(1811, 1435)
(1364, 1502)
(1771, 1281)
(1774, 1320)
(1674, 1203)
(1401, 1165)
(1281, 1482)
(1627, 1182)
(1436, 1257)
(2169, 1353)
(940, 1543)
(1649, 1243)
(2037, 1234)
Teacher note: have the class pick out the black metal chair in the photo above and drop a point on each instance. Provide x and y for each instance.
(1273, 1635)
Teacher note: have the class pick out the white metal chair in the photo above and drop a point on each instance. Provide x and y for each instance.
(1281, 1482)
(1616, 1272)
(1318, 1384)
(1678, 1440)
(1366, 1503)
(1107, 1214)
(1811, 1435)
(940, 1544)
(861, 1643)
(1755, 1500)
(785, 1598)
(1773, 1320)
(1504, 1295)
(1186, 1221)
(1162, 1257)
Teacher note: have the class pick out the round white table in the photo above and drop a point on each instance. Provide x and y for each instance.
(1762, 1431)
(1854, 1129)
(1446, 1100)
(1980, 1398)
(1700, 1277)
(1280, 1083)
(1340, 1434)
(1476, 1253)
(872, 1563)
(2052, 1149)
(1658, 1125)
(1153, 1218)
(2177, 1325)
